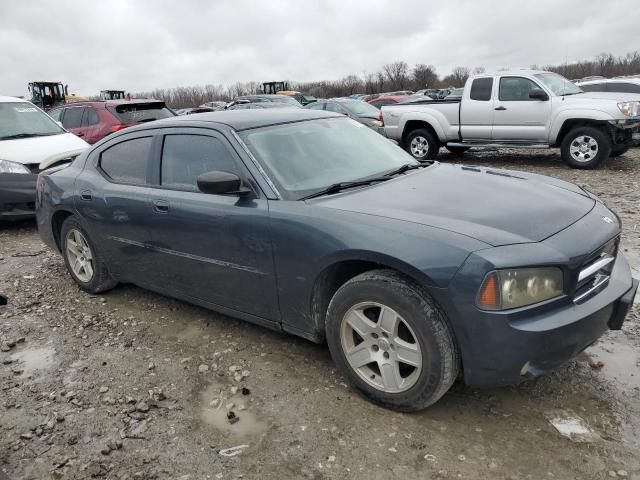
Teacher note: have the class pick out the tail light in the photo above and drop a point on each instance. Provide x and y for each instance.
(381, 119)
(118, 127)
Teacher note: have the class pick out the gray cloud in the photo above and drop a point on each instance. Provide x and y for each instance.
(144, 44)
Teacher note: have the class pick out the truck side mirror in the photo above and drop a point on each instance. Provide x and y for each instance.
(538, 94)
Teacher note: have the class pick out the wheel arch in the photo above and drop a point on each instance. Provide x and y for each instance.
(337, 271)
(57, 219)
(412, 125)
(571, 123)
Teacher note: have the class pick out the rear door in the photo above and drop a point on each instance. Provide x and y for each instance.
(476, 110)
(518, 117)
(91, 127)
(72, 120)
(211, 248)
(113, 197)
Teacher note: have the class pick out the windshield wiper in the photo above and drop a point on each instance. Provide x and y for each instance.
(26, 135)
(337, 187)
(406, 167)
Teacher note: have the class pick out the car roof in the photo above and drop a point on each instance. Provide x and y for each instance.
(243, 119)
(12, 99)
(610, 80)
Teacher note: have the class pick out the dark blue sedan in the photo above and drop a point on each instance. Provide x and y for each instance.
(309, 222)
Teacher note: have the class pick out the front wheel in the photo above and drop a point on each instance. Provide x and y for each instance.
(422, 145)
(389, 338)
(585, 147)
(84, 262)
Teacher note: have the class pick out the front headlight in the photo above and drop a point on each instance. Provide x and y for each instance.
(12, 167)
(513, 288)
(630, 109)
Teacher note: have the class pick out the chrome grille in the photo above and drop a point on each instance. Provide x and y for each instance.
(594, 274)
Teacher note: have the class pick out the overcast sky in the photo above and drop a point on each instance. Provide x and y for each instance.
(144, 44)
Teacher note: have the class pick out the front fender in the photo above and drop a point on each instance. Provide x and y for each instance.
(564, 115)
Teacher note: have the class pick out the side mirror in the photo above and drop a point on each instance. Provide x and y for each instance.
(538, 94)
(221, 183)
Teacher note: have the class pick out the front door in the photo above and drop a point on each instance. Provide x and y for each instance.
(518, 117)
(212, 248)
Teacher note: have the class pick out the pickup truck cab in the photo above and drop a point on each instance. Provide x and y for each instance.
(521, 108)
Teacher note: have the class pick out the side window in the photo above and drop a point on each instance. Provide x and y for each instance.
(185, 157)
(91, 117)
(594, 87)
(72, 117)
(623, 87)
(481, 89)
(316, 106)
(55, 114)
(128, 162)
(381, 103)
(516, 89)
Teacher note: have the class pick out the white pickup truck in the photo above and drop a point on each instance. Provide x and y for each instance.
(519, 109)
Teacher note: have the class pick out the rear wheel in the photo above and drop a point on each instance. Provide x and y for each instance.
(585, 147)
(85, 264)
(422, 144)
(457, 150)
(390, 339)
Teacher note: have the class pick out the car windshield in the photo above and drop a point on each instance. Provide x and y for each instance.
(22, 119)
(361, 108)
(141, 112)
(558, 84)
(307, 157)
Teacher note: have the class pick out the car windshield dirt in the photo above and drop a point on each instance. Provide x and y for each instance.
(558, 84)
(141, 112)
(307, 157)
(361, 108)
(22, 119)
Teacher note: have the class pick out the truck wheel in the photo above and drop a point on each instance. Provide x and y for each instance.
(85, 264)
(585, 147)
(391, 341)
(422, 145)
(457, 150)
(618, 150)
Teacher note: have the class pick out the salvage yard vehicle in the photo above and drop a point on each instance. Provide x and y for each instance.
(95, 120)
(112, 95)
(289, 101)
(359, 111)
(520, 108)
(47, 95)
(306, 221)
(30, 142)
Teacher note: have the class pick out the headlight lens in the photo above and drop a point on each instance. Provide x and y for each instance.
(630, 109)
(513, 288)
(12, 167)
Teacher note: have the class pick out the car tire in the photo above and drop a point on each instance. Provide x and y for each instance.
(618, 150)
(84, 262)
(585, 147)
(457, 150)
(421, 337)
(422, 145)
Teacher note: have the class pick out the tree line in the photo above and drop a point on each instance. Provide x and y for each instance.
(391, 77)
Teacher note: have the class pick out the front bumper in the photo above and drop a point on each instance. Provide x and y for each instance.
(17, 195)
(506, 351)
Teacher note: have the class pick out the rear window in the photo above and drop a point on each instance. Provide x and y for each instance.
(362, 108)
(141, 112)
(128, 162)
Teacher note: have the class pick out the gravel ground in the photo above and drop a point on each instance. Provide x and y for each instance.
(134, 385)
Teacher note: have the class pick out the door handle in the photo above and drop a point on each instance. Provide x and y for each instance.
(161, 206)
(86, 195)
(500, 108)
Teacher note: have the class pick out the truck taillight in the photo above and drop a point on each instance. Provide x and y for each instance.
(381, 119)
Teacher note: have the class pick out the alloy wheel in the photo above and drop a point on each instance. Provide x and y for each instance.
(419, 147)
(381, 347)
(583, 148)
(79, 255)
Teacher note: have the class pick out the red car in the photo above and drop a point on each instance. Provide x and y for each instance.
(93, 121)
(379, 102)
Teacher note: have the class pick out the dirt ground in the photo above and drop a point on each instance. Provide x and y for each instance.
(134, 385)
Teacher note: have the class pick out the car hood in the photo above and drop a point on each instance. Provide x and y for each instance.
(497, 207)
(42, 151)
(603, 97)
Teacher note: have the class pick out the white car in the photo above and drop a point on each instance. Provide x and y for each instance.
(30, 142)
(616, 84)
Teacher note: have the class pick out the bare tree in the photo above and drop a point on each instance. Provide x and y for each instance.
(397, 74)
(424, 76)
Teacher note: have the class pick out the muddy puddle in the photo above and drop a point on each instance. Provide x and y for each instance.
(215, 401)
(619, 362)
(32, 360)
